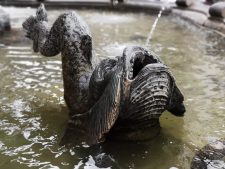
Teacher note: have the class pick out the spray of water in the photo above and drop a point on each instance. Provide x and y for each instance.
(153, 27)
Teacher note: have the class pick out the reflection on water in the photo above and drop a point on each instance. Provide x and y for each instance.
(33, 114)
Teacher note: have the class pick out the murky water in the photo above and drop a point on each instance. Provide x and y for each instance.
(33, 115)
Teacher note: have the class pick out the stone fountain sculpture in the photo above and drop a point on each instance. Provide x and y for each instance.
(121, 95)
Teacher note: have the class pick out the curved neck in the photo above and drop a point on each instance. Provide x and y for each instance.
(70, 36)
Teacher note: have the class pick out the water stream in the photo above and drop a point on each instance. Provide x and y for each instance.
(33, 114)
(149, 37)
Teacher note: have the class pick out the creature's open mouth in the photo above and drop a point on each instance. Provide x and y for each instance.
(138, 62)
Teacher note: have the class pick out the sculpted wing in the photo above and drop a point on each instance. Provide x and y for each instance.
(100, 79)
(90, 127)
(105, 112)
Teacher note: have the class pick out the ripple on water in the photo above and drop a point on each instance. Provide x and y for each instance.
(108, 19)
(115, 49)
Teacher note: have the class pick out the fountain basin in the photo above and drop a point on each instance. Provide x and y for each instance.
(196, 12)
(34, 116)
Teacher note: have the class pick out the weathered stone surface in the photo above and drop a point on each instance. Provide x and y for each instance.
(217, 10)
(192, 16)
(198, 15)
(4, 21)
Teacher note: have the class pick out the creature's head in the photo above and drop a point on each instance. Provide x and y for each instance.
(153, 87)
(140, 70)
(135, 59)
(34, 24)
(176, 105)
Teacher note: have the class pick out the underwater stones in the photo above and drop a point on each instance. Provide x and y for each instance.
(217, 10)
(105, 161)
(210, 156)
(4, 21)
(184, 3)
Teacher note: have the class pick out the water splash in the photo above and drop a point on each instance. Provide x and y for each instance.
(147, 44)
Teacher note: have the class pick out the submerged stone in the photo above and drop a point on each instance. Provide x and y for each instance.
(184, 3)
(210, 156)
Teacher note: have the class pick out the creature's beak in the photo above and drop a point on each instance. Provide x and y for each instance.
(181, 110)
(137, 58)
(178, 110)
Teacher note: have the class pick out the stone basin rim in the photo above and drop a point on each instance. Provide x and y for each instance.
(186, 13)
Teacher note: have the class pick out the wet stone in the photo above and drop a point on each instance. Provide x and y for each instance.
(217, 10)
(184, 3)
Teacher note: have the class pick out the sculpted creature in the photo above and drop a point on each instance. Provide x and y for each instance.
(211, 156)
(128, 93)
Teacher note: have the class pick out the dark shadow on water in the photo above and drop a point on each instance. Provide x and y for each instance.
(164, 151)
(126, 155)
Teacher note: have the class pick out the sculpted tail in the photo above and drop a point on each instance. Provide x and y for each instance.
(45, 41)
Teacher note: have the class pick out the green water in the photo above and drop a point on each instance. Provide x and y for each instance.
(33, 115)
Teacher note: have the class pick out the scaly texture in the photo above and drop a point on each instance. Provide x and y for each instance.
(70, 36)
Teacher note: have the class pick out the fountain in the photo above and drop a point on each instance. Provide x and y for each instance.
(127, 94)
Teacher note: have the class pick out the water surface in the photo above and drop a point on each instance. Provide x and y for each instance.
(33, 113)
